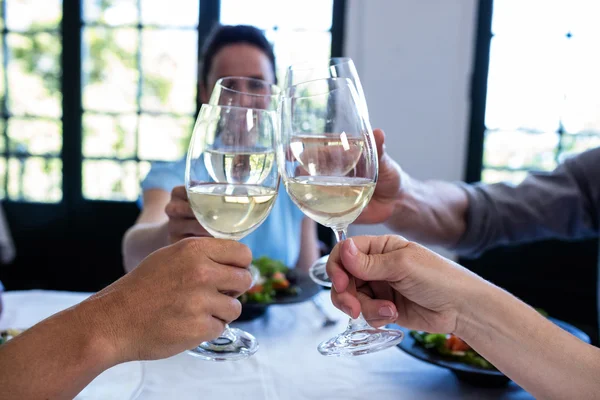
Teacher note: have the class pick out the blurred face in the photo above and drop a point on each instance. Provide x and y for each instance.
(238, 60)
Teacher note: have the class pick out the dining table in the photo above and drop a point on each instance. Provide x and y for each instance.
(287, 365)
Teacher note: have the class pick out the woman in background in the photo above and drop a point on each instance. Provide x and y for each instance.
(166, 216)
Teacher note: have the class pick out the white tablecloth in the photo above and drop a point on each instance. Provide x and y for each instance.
(286, 367)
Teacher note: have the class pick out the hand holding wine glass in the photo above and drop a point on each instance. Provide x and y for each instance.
(231, 182)
(328, 161)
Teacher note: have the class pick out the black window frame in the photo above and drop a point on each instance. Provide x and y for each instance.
(478, 93)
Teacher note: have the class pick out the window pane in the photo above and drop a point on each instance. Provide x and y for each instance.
(34, 136)
(313, 15)
(2, 143)
(525, 86)
(172, 13)
(2, 88)
(24, 15)
(494, 176)
(169, 62)
(294, 47)
(575, 144)
(2, 177)
(164, 138)
(110, 180)
(34, 74)
(582, 17)
(121, 12)
(35, 179)
(144, 168)
(109, 136)
(110, 69)
(517, 18)
(582, 98)
(520, 150)
(260, 13)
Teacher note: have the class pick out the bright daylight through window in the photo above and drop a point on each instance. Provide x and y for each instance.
(543, 96)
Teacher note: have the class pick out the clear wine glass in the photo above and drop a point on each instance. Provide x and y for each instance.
(232, 182)
(328, 161)
(338, 67)
(239, 91)
(242, 91)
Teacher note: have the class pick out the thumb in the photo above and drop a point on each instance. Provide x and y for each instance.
(379, 136)
(369, 267)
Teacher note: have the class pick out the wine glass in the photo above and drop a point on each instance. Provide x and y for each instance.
(338, 67)
(242, 91)
(328, 161)
(245, 92)
(232, 183)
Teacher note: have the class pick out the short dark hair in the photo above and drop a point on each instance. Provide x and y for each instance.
(225, 35)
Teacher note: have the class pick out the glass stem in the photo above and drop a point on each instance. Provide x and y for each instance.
(340, 234)
(360, 322)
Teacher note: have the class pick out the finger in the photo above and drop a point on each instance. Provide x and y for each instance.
(178, 208)
(232, 281)
(375, 258)
(335, 270)
(377, 312)
(186, 228)
(180, 193)
(379, 141)
(225, 308)
(209, 328)
(228, 252)
(346, 302)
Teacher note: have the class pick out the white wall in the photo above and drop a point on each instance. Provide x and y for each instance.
(414, 58)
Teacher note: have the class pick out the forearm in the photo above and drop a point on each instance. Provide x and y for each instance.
(539, 356)
(55, 359)
(141, 240)
(431, 212)
(309, 245)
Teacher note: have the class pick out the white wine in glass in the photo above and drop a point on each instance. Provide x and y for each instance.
(299, 73)
(232, 183)
(327, 158)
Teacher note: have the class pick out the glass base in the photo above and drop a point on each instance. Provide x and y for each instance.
(318, 272)
(362, 341)
(237, 345)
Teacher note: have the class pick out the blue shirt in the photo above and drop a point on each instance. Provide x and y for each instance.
(278, 237)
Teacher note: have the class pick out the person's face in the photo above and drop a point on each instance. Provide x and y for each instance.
(237, 60)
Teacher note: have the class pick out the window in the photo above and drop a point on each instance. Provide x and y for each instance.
(31, 165)
(139, 90)
(136, 99)
(543, 85)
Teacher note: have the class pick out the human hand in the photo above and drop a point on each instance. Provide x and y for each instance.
(388, 189)
(398, 281)
(178, 297)
(182, 221)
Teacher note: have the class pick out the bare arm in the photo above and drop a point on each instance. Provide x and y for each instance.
(183, 305)
(149, 233)
(431, 212)
(309, 245)
(545, 360)
(424, 291)
(56, 359)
